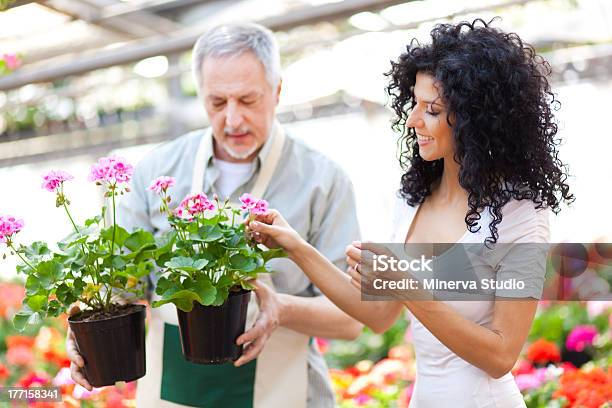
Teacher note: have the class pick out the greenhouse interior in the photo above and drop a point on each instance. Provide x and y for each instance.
(84, 79)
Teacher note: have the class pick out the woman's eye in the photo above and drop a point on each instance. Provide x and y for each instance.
(432, 113)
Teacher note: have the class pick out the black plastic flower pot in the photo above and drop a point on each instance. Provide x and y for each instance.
(112, 347)
(209, 333)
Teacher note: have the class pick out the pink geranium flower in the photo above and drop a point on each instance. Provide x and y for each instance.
(111, 170)
(162, 183)
(9, 226)
(261, 207)
(253, 205)
(12, 61)
(197, 203)
(183, 213)
(54, 179)
(529, 381)
(581, 337)
(248, 201)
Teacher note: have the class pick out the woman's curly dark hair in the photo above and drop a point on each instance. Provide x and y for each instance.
(503, 125)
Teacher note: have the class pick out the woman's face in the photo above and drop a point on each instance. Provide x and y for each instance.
(429, 120)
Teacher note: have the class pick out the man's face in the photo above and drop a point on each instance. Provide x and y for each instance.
(240, 103)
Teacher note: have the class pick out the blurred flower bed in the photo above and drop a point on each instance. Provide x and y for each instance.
(566, 362)
(37, 358)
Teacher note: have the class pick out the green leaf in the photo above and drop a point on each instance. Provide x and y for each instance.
(25, 318)
(32, 285)
(88, 234)
(121, 235)
(65, 294)
(144, 269)
(273, 253)
(205, 291)
(139, 239)
(186, 264)
(95, 220)
(49, 272)
(163, 284)
(242, 263)
(36, 250)
(220, 296)
(210, 233)
(37, 302)
(183, 299)
(118, 262)
(55, 308)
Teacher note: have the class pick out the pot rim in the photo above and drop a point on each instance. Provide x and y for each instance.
(140, 309)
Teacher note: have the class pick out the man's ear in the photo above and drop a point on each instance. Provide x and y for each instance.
(278, 90)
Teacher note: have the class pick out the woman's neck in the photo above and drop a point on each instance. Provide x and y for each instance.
(449, 191)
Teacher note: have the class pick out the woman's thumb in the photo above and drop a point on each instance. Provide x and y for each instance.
(262, 228)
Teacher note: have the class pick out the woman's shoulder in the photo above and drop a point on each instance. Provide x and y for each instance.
(523, 221)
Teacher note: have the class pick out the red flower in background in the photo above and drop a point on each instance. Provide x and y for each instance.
(4, 372)
(33, 379)
(19, 341)
(58, 359)
(586, 389)
(543, 351)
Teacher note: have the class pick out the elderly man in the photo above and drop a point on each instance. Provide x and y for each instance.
(237, 71)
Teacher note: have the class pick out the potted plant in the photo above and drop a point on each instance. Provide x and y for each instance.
(92, 265)
(206, 271)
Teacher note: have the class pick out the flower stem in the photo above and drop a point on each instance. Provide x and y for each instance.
(10, 245)
(70, 218)
(108, 297)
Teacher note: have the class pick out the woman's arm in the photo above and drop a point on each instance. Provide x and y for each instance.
(336, 285)
(493, 349)
(273, 231)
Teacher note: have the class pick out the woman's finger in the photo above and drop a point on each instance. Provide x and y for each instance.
(353, 252)
(354, 274)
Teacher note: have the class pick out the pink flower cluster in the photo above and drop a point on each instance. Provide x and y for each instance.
(54, 179)
(194, 204)
(12, 61)
(9, 226)
(253, 205)
(581, 337)
(162, 183)
(111, 170)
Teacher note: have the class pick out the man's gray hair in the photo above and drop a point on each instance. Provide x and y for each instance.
(229, 40)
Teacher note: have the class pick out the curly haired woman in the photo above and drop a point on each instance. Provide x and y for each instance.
(474, 109)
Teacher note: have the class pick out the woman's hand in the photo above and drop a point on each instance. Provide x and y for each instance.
(273, 231)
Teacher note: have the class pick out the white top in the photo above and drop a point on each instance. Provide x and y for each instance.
(231, 176)
(443, 378)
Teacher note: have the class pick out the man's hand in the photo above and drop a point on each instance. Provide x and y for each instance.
(76, 360)
(267, 321)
